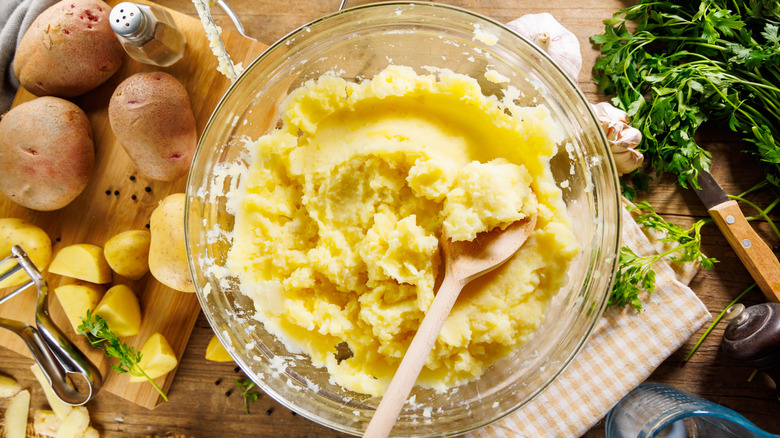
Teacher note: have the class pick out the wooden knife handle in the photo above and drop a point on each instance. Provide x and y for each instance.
(754, 253)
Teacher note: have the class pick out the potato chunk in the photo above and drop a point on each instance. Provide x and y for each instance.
(82, 261)
(33, 240)
(120, 308)
(15, 421)
(128, 253)
(77, 298)
(8, 387)
(157, 358)
(216, 352)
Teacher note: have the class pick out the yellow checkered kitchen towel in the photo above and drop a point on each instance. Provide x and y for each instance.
(622, 352)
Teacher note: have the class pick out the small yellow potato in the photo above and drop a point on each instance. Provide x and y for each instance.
(46, 422)
(15, 422)
(168, 254)
(33, 240)
(83, 262)
(9, 387)
(77, 298)
(120, 308)
(58, 406)
(216, 352)
(128, 253)
(75, 424)
(157, 358)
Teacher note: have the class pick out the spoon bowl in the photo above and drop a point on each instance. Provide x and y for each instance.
(468, 259)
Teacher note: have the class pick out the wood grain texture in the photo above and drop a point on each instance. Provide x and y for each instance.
(204, 402)
(119, 199)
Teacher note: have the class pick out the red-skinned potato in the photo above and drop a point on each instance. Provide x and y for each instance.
(46, 153)
(151, 117)
(68, 50)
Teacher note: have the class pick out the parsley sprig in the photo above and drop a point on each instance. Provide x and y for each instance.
(674, 65)
(245, 386)
(635, 272)
(100, 336)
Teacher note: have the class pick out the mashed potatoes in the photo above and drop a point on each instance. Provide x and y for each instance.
(339, 213)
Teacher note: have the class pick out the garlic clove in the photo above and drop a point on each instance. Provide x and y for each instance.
(605, 110)
(623, 138)
(627, 160)
(561, 44)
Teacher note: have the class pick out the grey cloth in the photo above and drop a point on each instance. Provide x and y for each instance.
(15, 17)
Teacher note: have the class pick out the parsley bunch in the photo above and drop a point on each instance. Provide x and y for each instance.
(100, 336)
(635, 272)
(687, 62)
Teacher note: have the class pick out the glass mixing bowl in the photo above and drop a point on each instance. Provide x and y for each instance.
(358, 43)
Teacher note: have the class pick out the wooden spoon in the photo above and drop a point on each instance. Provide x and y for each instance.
(463, 261)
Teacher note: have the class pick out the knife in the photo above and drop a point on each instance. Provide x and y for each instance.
(754, 253)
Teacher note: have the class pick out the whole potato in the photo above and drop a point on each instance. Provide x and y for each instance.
(168, 253)
(151, 117)
(68, 50)
(128, 253)
(46, 153)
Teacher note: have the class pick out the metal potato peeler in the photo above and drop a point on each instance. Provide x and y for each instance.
(57, 357)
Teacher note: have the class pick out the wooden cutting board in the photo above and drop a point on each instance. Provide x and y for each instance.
(117, 199)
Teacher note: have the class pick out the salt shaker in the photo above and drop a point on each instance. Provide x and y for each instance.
(147, 33)
(753, 336)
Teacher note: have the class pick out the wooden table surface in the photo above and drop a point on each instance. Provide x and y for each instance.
(203, 399)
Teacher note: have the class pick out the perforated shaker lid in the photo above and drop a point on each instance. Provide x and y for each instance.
(126, 18)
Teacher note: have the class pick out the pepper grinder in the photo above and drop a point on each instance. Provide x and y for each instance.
(148, 33)
(753, 337)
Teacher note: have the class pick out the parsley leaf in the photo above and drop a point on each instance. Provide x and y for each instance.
(635, 272)
(100, 336)
(245, 386)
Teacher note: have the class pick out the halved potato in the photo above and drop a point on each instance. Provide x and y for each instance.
(157, 358)
(77, 298)
(120, 308)
(82, 261)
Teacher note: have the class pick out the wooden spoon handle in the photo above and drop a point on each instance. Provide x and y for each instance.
(754, 253)
(387, 412)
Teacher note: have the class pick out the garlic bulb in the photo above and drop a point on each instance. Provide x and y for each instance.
(623, 139)
(561, 44)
